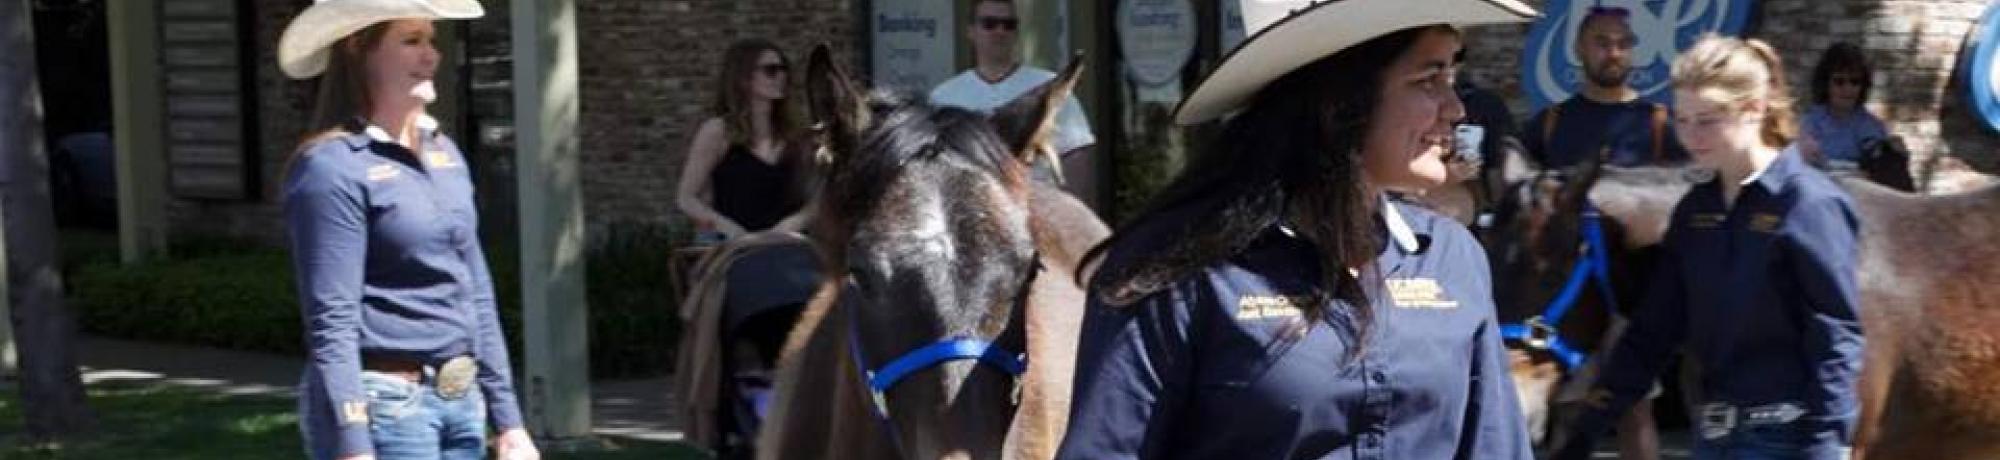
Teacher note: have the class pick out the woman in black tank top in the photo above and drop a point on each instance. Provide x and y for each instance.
(744, 170)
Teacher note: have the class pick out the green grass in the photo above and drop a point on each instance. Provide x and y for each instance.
(164, 422)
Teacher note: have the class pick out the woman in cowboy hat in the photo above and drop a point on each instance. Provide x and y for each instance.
(1272, 303)
(407, 358)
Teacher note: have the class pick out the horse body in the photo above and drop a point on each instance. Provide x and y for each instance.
(1928, 307)
(931, 233)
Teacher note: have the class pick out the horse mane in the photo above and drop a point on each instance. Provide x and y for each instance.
(910, 128)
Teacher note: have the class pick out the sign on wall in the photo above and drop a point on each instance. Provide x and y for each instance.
(1232, 25)
(1550, 71)
(1982, 78)
(914, 43)
(1157, 38)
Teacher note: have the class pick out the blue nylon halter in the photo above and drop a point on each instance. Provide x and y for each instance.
(1540, 331)
(879, 381)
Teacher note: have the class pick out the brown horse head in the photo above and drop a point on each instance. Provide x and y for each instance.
(1535, 243)
(926, 214)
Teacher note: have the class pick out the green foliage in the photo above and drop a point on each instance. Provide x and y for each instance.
(240, 295)
(140, 421)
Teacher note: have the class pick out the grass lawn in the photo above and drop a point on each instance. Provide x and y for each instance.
(164, 422)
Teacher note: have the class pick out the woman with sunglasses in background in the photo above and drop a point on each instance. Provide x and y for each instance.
(746, 165)
(1837, 128)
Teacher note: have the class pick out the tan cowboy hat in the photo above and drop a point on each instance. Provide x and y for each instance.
(303, 50)
(1288, 34)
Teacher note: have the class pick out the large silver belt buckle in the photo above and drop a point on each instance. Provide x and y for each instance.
(455, 377)
(1717, 420)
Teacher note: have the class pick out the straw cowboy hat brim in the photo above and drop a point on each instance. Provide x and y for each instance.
(1292, 33)
(304, 49)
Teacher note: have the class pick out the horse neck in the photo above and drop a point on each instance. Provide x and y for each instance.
(1063, 227)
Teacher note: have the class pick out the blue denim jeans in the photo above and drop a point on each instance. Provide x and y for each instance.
(1769, 442)
(409, 421)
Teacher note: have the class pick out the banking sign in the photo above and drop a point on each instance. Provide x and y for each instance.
(1550, 71)
(1982, 79)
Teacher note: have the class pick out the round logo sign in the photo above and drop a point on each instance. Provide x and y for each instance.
(1550, 71)
(1157, 37)
(1982, 78)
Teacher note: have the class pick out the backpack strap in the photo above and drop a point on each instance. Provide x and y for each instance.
(1659, 134)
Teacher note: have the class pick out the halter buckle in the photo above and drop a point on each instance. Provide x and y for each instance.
(1539, 332)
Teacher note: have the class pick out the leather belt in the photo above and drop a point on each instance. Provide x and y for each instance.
(452, 377)
(1717, 420)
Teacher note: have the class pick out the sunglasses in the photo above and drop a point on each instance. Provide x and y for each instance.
(773, 70)
(997, 23)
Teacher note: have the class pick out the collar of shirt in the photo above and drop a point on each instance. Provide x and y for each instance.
(426, 127)
(1399, 229)
(1773, 175)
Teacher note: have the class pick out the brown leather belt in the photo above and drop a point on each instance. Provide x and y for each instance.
(452, 376)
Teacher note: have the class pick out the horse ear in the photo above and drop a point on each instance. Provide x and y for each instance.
(1581, 178)
(834, 102)
(1027, 122)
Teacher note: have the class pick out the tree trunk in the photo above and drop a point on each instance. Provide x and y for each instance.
(51, 389)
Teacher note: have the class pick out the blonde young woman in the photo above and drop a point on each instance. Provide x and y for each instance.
(405, 354)
(1757, 277)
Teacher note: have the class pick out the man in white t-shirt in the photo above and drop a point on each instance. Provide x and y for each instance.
(998, 76)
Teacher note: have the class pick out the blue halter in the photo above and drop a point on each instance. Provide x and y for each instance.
(1540, 331)
(880, 380)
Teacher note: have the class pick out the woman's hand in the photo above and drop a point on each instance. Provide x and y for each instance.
(515, 444)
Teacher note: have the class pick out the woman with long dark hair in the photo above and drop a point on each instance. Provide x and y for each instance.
(1272, 302)
(406, 355)
(746, 165)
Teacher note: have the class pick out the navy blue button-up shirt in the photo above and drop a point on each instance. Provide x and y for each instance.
(1762, 293)
(386, 249)
(1201, 370)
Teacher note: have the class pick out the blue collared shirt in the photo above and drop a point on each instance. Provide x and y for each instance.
(386, 250)
(1201, 369)
(1840, 137)
(1585, 128)
(1762, 293)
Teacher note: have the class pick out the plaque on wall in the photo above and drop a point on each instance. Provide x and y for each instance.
(208, 144)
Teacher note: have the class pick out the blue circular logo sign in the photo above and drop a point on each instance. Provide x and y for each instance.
(1982, 80)
(1550, 71)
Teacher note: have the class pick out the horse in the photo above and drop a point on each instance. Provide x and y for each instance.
(937, 247)
(1928, 307)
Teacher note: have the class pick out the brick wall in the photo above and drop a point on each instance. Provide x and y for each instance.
(648, 76)
(646, 68)
(1913, 44)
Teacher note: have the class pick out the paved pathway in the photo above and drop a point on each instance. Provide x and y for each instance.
(637, 409)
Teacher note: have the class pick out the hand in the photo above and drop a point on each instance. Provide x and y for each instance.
(515, 444)
(1460, 169)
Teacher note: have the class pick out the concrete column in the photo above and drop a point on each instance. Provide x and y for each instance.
(137, 120)
(556, 387)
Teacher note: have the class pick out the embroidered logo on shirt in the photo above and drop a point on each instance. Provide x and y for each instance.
(1706, 220)
(1251, 307)
(383, 172)
(353, 413)
(440, 159)
(1419, 293)
(1766, 223)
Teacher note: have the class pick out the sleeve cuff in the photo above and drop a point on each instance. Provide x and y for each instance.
(504, 415)
(355, 440)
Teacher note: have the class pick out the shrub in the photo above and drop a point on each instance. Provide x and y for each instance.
(239, 295)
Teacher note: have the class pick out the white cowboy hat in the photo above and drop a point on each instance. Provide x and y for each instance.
(303, 49)
(1288, 34)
